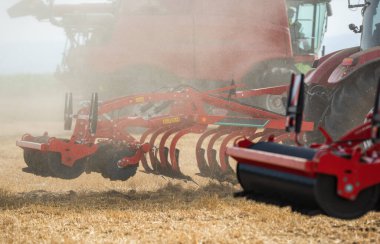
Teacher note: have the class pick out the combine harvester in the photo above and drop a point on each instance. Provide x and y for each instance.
(101, 141)
(341, 176)
(124, 47)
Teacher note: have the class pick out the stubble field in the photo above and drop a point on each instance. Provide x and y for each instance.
(146, 208)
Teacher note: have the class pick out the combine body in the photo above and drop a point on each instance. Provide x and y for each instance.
(195, 41)
(342, 176)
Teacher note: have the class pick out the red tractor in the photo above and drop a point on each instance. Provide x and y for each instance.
(341, 88)
(341, 172)
(124, 46)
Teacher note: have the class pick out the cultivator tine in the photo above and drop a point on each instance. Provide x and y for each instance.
(164, 151)
(174, 152)
(201, 153)
(213, 162)
(144, 161)
(223, 158)
(152, 154)
(283, 137)
(211, 153)
(260, 136)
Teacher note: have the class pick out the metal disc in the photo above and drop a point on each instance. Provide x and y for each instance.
(114, 172)
(37, 162)
(62, 171)
(326, 195)
(28, 158)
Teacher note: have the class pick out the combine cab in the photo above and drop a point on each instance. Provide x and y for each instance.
(118, 47)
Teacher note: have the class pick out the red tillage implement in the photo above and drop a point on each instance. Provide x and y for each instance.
(101, 141)
(341, 176)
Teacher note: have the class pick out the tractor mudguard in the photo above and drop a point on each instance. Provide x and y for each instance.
(353, 63)
(327, 65)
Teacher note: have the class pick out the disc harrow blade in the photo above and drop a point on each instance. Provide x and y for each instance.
(62, 171)
(37, 163)
(36, 160)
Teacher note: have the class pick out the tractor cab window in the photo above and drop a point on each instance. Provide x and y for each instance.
(371, 25)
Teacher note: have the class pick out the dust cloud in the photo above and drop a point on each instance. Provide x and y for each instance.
(30, 102)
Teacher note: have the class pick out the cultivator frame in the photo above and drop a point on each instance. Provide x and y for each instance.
(341, 176)
(102, 143)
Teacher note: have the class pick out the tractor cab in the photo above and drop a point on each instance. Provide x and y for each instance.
(307, 24)
(371, 24)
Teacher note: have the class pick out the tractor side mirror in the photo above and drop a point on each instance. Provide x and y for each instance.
(68, 112)
(376, 117)
(294, 109)
(93, 115)
(355, 28)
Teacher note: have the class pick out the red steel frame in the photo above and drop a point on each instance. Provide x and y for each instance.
(186, 114)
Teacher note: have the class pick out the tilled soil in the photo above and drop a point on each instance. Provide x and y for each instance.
(154, 209)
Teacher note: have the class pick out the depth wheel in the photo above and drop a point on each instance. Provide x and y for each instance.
(338, 207)
(114, 172)
(62, 171)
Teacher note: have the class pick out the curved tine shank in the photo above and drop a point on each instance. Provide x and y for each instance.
(214, 165)
(283, 136)
(146, 134)
(201, 161)
(194, 129)
(161, 148)
(223, 158)
(144, 162)
(153, 159)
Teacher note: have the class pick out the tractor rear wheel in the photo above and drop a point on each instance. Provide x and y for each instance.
(62, 171)
(346, 106)
(327, 198)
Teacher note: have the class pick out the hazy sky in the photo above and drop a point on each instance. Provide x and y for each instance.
(29, 46)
